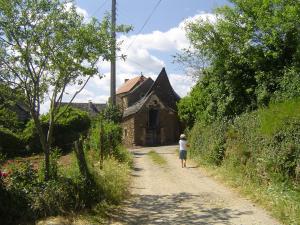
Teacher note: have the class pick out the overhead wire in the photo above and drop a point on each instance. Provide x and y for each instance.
(99, 8)
(145, 23)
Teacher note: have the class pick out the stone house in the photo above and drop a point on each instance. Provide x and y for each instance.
(149, 111)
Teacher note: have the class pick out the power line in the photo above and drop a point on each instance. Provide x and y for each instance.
(136, 63)
(99, 8)
(145, 23)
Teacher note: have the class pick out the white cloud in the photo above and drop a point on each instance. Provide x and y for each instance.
(79, 10)
(181, 83)
(173, 39)
(82, 12)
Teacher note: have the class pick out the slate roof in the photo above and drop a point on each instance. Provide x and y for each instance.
(139, 91)
(90, 107)
(163, 89)
(130, 84)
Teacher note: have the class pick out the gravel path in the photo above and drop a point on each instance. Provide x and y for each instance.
(169, 194)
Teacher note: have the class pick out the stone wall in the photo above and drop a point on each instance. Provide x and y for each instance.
(169, 127)
(167, 131)
(141, 123)
(128, 131)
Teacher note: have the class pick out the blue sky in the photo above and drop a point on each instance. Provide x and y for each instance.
(150, 50)
(169, 13)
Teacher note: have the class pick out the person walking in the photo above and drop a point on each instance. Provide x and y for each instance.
(183, 150)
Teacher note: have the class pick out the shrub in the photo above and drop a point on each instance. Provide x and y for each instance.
(28, 197)
(112, 113)
(53, 165)
(123, 155)
(263, 144)
(259, 151)
(2, 159)
(208, 142)
(15, 194)
(289, 85)
(112, 137)
(10, 143)
(68, 128)
(9, 119)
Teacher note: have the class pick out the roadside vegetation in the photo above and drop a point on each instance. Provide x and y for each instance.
(95, 177)
(157, 158)
(243, 114)
(64, 161)
(257, 155)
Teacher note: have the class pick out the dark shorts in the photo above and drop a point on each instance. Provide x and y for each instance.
(182, 154)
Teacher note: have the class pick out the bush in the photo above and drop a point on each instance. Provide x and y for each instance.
(289, 85)
(29, 197)
(9, 119)
(259, 151)
(123, 155)
(68, 128)
(265, 144)
(112, 113)
(208, 142)
(53, 165)
(10, 143)
(112, 137)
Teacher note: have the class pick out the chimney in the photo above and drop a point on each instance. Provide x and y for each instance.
(126, 80)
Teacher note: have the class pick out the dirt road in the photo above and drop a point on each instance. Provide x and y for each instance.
(169, 194)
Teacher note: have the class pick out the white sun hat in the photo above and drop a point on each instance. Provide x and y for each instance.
(182, 135)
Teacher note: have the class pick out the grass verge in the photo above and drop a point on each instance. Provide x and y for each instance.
(157, 158)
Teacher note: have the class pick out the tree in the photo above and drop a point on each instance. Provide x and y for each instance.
(8, 100)
(44, 47)
(249, 50)
(113, 113)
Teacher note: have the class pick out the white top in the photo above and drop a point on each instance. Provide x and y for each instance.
(182, 145)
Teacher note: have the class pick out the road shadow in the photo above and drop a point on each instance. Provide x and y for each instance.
(192, 167)
(165, 153)
(182, 208)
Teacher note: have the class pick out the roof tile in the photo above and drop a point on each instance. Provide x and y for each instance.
(130, 84)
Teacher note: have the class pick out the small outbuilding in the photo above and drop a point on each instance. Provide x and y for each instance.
(149, 111)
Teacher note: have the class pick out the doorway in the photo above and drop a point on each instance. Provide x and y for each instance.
(152, 134)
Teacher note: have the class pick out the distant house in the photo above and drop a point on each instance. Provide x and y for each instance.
(92, 108)
(149, 111)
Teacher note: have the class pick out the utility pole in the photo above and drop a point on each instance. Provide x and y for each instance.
(113, 58)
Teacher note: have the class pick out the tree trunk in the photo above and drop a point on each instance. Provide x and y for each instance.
(83, 168)
(111, 147)
(101, 145)
(44, 144)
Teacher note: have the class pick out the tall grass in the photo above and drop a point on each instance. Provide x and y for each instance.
(277, 114)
